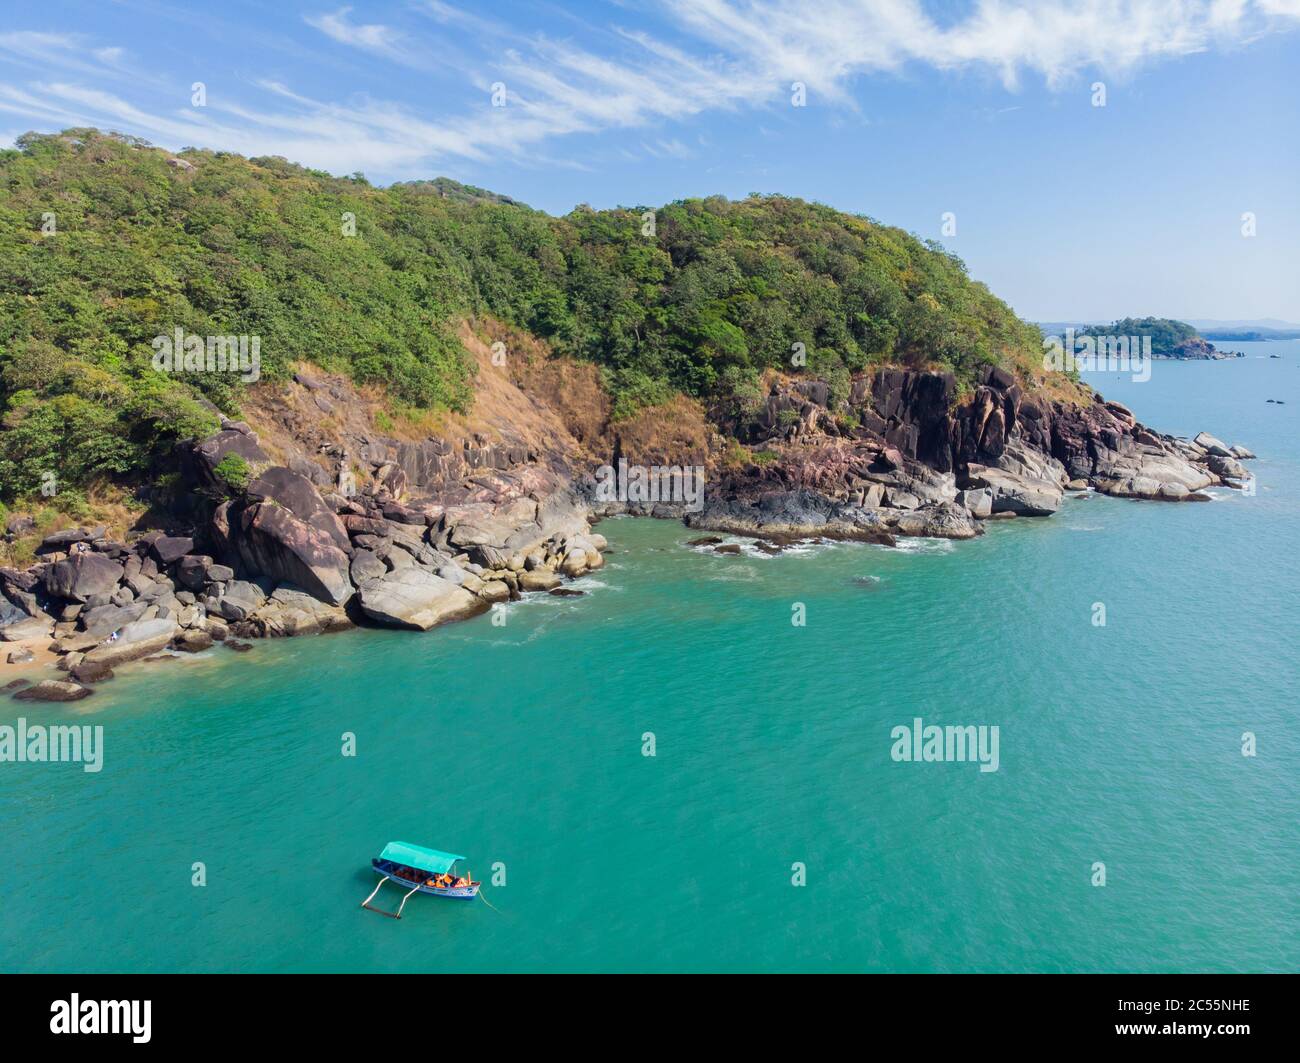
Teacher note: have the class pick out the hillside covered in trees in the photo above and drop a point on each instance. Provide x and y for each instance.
(107, 243)
(1169, 338)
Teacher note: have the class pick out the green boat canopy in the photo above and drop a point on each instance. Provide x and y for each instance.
(418, 856)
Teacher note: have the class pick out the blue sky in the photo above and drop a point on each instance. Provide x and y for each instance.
(981, 109)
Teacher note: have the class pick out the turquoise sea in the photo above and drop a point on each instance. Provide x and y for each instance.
(521, 746)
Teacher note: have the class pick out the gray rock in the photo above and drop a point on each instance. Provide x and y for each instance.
(292, 611)
(194, 641)
(365, 565)
(1211, 445)
(139, 583)
(273, 542)
(1222, 466)
(10, 613)
(979, 501)
(82, 576)
(168, 549)
(416, 598)
(900, 499)
(192, 571)
(539, 579)
(61, 540)
(84, 671)
(138, 639)
(105, 619)
(241, 600)
(53, 690)
(30, 628)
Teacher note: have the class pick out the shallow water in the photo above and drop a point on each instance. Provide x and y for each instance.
(521, 746)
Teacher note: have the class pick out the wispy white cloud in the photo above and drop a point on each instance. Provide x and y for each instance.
(827, 43)
(373, 37)
(722, 55)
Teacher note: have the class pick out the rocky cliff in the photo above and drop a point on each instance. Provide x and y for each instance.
(332, 523)
(903, 456)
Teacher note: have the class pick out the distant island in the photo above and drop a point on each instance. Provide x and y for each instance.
(1169, 338)
(1250, 335)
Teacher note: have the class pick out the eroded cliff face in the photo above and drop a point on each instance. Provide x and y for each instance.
(335, 520)
(904, 455)
(411, 526)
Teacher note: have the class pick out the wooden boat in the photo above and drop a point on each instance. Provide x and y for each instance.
(419, 870)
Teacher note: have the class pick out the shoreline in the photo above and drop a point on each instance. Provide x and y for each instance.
(433, 534)
(769, 541)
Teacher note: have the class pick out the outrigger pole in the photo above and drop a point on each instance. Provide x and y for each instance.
(391, 915)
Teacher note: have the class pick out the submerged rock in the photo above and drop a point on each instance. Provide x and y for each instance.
(85, 671)
(193, 641)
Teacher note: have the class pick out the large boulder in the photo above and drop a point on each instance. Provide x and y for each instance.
(491, 536)
(240, 601)
(84, 671)
(272, 541)
(168, 549)
(138, 639)
(1159, 476)
(192, 571)
(105, 619)
(539, 579)
(62, 540)
(294, 492)
(1229, 467)
(1024, 481)
(1012, 493)
(416, 598)
(54, 690)
(366, 565)
(31, 627)
(204, 457)
(10, 613)
(82, 576)
(292, 611)
(979, 501)
(1213, 445)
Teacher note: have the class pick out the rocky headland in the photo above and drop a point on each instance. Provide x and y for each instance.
(442, 382)
(333, 524)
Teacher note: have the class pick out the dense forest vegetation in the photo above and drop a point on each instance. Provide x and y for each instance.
(107, 243)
